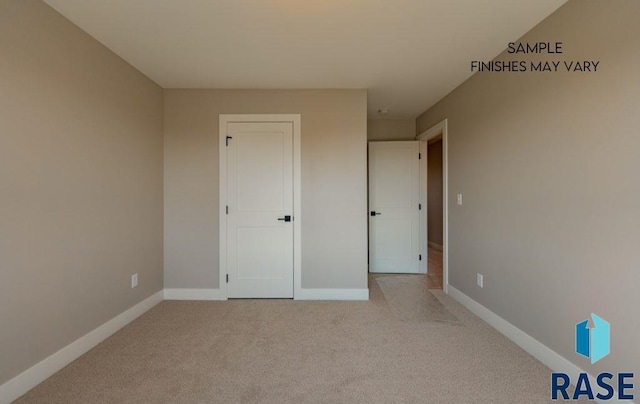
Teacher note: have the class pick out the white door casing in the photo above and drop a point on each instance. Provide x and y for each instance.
(257, 189)
(440, 129)
(394, 216)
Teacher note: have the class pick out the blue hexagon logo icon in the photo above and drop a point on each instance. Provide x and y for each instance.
(593, 342)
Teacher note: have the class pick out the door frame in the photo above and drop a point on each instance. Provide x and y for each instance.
(441, 128)
(224, 120)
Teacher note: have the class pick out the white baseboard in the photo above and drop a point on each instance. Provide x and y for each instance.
(302, 294)
(192, 294)
(36, 374)
(332, 294)
(435, 245)
(533, 347)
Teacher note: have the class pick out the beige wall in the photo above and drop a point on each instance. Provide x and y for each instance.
(391, 129)
(334, 179)
(434, 192)
(80, 184)
(549, 165)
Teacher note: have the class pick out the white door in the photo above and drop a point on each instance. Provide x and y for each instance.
(260, 209)
(394, 216)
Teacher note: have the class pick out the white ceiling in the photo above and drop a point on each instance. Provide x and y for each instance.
(408, 53)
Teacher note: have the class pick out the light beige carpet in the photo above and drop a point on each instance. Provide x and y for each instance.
(281, 351)
(410, 300)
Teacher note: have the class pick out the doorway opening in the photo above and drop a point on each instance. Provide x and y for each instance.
(399, 248)
(434, 219)
(434, 213)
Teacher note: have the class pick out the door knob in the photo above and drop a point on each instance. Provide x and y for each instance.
(374, 213)
(287, 218)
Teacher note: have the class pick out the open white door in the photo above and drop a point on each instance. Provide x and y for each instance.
(260, 208)
(394, 216)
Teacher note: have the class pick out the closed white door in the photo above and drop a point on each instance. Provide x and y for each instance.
(260, 210)
(394, 187)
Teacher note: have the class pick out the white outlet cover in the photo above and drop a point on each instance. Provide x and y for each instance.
(459, 199)
(480, 280)
(134, 280)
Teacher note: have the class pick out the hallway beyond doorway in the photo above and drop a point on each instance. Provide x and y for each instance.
(434, 276)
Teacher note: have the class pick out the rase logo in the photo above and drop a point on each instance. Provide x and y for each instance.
(593, 343)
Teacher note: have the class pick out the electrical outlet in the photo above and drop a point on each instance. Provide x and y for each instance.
(480, 280)
(459, 199)
(134, 280)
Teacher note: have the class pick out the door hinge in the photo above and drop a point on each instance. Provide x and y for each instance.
(419, 156)
(227, 278)
(420, 257)
(419, 206)
(226, 142)
(227, 208)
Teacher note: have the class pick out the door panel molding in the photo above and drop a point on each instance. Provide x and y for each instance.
(224, 121)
